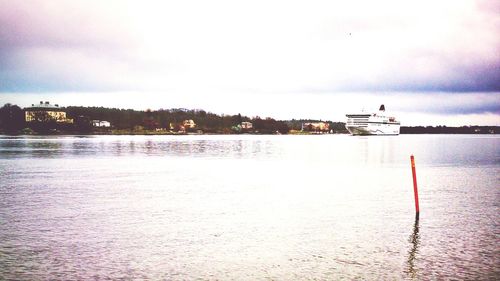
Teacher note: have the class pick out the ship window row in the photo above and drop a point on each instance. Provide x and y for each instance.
(357, 120)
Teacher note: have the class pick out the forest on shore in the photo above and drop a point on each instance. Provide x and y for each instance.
(169, 121)
(162, 121)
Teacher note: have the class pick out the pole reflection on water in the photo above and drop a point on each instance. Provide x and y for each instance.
(414, 240)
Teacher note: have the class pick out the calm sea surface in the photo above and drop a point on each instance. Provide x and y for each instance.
(249, 207)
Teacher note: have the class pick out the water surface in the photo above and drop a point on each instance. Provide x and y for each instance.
(249, 207)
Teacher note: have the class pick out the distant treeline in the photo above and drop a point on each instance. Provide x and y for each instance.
(334, 127)
(207, 122)
(12, 121)
(450, 130)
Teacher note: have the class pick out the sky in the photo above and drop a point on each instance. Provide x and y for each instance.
(429, 62)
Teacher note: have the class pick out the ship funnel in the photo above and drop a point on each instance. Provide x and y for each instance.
(382, 108)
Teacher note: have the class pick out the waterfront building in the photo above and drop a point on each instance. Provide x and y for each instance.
(189, 124)
(316, 126)
(246, 125)
(45, 112)
(101, 123)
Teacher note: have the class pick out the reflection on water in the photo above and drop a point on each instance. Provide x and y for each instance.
(372, 151)
(248, 207)
(111, 146)
(414, 240)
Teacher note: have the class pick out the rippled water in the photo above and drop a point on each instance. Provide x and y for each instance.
(249, 207)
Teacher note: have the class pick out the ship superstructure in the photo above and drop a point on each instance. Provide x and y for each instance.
(376, 123)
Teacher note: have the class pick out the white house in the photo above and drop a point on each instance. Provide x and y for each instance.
(102, 124)
(189, 124)
(246, 125)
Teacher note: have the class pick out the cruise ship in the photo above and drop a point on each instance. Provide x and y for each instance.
(376, 123)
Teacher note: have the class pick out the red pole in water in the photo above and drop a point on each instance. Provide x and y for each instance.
(415, 189)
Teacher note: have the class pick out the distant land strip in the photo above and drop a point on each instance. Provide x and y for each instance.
(45, 118)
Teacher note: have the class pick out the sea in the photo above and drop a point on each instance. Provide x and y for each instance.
(249, 207)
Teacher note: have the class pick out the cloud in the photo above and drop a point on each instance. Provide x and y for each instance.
(284, 46)
(62, 24)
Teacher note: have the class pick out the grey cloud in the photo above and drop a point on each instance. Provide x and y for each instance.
(63, 26)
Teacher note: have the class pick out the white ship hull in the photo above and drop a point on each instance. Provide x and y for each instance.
(372, 123)
(374, 129)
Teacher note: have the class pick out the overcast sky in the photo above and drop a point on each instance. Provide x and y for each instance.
(430, 62)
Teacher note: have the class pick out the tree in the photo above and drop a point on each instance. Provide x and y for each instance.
(149, 121)
(83, 124)
(238, 119)
(11, 118)
(269, 126)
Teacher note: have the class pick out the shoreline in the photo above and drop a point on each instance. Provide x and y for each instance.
(223, 134)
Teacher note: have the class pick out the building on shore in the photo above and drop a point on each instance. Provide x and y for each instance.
(101, 124)
(184, 126)
(246, 125)
(316, 127)
(44, 112)
(189, 124)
